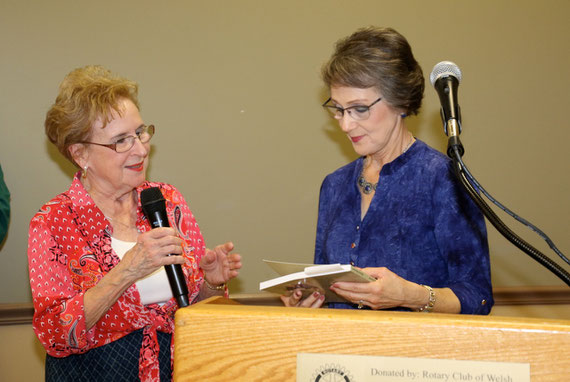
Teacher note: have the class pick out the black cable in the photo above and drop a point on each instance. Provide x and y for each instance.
(520, 219)
(501, 227)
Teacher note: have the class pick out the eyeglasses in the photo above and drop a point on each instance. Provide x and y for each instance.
(357, 112)
(122, 145)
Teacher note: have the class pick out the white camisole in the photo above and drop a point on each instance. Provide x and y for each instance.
(154, 288)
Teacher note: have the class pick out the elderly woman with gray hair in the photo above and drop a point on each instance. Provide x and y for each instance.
(397, 211)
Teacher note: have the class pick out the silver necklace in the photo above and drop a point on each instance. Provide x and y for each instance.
(368, 187)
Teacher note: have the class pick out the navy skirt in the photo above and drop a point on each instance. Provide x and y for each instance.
(116, 361)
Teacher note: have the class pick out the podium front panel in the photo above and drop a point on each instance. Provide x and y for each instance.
(221, 340)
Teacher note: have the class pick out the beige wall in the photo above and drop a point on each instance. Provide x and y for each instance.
(233, 88)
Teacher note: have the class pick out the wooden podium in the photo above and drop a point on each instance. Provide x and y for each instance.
(222, 340)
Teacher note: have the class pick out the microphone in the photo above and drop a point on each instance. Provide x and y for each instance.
(154, 207)
(445, 78)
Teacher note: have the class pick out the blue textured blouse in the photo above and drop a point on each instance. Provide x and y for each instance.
(420, 224)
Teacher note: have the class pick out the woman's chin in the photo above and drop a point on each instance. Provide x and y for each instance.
(136, 180)
(361, 151)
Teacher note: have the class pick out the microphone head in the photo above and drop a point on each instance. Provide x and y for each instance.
(445, 69)
(152, 200)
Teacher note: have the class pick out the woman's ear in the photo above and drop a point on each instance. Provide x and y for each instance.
(78, 152)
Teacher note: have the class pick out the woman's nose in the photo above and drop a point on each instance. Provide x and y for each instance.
(346, 123)
(141, 148)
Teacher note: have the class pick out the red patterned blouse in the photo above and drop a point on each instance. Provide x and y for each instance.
(69, 251)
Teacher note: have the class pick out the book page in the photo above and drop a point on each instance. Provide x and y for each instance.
(283, 268)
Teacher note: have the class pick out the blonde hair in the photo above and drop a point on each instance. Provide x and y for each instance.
(86, 95)
(379, 58)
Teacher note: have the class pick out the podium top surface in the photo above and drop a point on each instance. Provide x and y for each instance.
(221, 305)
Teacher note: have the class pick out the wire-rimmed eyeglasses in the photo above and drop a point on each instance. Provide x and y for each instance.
(357, 112)
(143, 133)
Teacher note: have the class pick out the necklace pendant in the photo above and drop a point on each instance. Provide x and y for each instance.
(366, 186)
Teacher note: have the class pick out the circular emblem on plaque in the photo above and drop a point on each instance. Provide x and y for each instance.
(332, 373)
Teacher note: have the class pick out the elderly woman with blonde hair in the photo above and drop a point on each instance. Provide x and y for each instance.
(103, 304)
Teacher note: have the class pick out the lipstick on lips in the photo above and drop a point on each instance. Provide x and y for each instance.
(356, 139)
(136, 167)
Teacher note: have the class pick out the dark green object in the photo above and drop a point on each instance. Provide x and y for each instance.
(4, 207)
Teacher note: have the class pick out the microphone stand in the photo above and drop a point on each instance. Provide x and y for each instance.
(455, 151)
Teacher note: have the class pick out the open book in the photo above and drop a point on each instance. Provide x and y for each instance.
(311, 278)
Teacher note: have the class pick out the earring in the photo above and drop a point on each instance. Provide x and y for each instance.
(403, 115)
(84, 172)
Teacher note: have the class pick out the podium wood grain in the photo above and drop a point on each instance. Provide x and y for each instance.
(221, 340)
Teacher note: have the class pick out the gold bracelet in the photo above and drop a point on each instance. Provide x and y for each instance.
(429, 306)
(217, 287)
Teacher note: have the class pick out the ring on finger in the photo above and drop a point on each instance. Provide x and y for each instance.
(360, 304)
